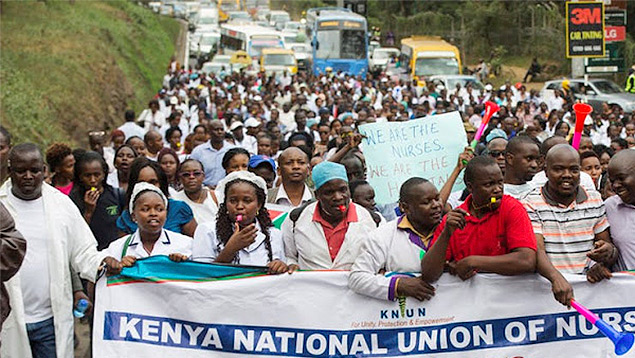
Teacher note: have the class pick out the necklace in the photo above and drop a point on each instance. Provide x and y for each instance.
(477, 208)
(202, 194)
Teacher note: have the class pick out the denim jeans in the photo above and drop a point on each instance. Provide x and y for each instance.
(42, 338)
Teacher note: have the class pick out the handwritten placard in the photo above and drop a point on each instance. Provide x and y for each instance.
(426, 147)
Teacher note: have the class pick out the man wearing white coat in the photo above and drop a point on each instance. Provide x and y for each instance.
(41, 322)
(326, 234)
(398, 246)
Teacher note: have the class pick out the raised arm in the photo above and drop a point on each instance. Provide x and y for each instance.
(351, 143)
(464, 158)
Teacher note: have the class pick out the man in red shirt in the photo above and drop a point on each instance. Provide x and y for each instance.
(489, 232)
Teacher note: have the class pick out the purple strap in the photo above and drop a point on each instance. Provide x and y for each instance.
(414, 238)
(391, 287)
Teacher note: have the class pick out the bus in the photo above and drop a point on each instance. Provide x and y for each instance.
(249, 38)
(425, 56)
(339, 40)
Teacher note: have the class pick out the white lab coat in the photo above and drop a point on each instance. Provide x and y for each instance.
(305, 244)
(206, 246)
(168, 243)
(70, 241)
(387, 248)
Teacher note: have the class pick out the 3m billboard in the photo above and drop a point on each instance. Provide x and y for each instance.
(585, 29)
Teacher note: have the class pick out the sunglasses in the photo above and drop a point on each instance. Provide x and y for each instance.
(496, 153)
(191, 174)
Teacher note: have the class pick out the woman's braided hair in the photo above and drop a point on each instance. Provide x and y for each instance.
(225, 225)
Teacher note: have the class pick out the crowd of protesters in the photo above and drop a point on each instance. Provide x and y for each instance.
(191, 177)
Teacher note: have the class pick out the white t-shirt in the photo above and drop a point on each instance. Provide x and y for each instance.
(34, 273)
(131, 129)
(113, 179)
(204, 212)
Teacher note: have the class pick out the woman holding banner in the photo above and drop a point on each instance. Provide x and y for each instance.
(243, 232)
(148, 205)
(399, 245)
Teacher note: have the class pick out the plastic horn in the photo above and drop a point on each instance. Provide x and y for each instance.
(623, 341)
(490, 109)
(581, 111)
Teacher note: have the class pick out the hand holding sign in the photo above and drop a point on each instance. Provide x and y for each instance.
(425, 147)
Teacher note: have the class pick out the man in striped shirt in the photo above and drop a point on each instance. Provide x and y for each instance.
(570, 225)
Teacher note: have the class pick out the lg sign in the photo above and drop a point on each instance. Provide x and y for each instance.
(615, 33)
(585, 16)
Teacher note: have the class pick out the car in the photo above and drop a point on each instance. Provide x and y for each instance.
(224, 59)
(180, 11)
(206, 45)
(238, 16)
(595, 92)
(192, 10)
(261, 14)
(166, 9)
(215, 67)
(206, 19)
(303, 55)
(380, 57)
(278, 19)
(294, 26)
(155, 6)
(372, 45)
(450, 82)
(293, 37)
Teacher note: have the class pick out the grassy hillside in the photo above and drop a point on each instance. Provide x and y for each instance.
(68, 68)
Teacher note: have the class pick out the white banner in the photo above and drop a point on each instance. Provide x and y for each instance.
(314, 314)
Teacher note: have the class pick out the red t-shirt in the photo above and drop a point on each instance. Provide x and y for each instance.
(497, 233)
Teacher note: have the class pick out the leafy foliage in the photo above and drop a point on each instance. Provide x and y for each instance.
(67, 68)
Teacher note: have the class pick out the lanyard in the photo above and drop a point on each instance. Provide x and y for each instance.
(125, 246)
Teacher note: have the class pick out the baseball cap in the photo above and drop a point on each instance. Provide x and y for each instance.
(235, 125)
(252, 123)
(174, 100)
(256, 160)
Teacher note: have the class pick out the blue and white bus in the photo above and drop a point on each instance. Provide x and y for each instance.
(339, 40)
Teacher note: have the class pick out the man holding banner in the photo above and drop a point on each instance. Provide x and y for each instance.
(489, 232)
(570, 225)
(398, 246)
(326, 234)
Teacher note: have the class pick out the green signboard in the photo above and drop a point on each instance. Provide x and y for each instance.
(611, 63)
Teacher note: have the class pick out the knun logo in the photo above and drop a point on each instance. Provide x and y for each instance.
(402, 313)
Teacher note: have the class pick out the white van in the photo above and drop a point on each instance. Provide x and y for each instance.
(207, 19)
